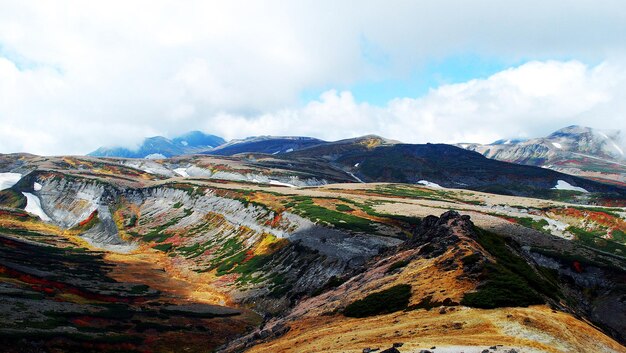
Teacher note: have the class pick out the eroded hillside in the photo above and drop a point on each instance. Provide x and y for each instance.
(214, 254)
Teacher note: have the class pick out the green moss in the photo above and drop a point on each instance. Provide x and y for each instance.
(532, 223)
(163, 247)
(343, 208)
(386, 301)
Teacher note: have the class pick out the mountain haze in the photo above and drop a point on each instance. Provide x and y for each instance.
(161, 147)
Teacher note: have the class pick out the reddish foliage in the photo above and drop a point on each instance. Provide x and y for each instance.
(249, 255)
(577, 267)
(88, 219)
(598, 217)
(275, 221)
(81, 321)
(50, 287)
(13, 213)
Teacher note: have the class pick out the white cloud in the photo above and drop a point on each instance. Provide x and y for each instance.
(77, 75)
(530, 100)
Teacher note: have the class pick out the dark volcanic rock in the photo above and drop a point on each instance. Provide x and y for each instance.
(437, 234)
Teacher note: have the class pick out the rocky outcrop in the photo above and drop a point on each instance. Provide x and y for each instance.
(441, 232)
(105, 235)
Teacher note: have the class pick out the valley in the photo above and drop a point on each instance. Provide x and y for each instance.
(230, 254)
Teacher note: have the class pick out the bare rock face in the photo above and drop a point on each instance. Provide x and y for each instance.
(441, 232)
(105, 235)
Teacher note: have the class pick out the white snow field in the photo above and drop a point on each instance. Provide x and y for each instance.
(33, 205)
(564, 185)
(429, 184)
(276, 182)
(155, 156)
(182, 172)
(9, 179)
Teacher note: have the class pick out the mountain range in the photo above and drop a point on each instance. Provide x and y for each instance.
(574, 151)
(577, 150)
(161, 147)
(309, 251)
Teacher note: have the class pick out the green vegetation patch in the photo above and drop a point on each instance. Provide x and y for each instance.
(619, 236)
(12, 198)
(163, 247)
(307, 208)
(343, 208)
(386, 301)
(532, 223)
(157, 234)
(248, 268)
(594, 239)
(503, 288)
(510, 282)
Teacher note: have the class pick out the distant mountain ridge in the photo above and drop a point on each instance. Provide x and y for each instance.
(162, 147)
(265, 144)
(375, 159)
(574, 150)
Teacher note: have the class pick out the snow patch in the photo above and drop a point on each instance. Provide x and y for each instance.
(33, 205)
(557, 225)
(289, 150)
(557, 145)
(37, 186)
(429, 184)
(155, 156)
(184, 143)
(357, 165)
(564, 185)
(7, 180)
(276, 182)
(182, 172)
(277, 152)
(355, 177)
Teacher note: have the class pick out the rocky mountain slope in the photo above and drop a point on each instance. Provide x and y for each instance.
(153, 257)
(574, 150)
(265, 144)
(374, 159)
(161, 147)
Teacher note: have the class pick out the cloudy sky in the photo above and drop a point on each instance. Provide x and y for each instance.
(80, 74)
